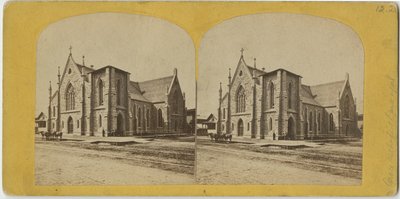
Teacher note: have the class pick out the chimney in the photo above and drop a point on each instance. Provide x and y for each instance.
(91, 66)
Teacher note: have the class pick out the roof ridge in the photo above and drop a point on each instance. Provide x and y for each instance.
(156, 79)
(323, 84)
(256, 69)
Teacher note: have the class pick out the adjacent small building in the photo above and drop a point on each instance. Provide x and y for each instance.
(41, 123)
(206, 125)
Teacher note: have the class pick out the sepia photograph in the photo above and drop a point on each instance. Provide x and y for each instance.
(115, 100)
(280, 101)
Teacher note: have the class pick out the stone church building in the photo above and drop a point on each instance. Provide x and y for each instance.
(105, 102)
(276, 105)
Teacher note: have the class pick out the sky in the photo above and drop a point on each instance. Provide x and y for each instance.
(318, 49)
(147, 47)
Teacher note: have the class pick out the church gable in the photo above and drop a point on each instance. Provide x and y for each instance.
(71, 79)
(175, 87)
(242, 71)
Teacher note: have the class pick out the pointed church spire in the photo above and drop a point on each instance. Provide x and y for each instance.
(241, 51)
(70, 50)
(255, 62)
(83, 60)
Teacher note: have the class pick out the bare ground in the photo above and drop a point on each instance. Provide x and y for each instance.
(243, 163)
(77, 163)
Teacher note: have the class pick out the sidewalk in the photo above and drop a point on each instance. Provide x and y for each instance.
(281, 143)
(95, 139)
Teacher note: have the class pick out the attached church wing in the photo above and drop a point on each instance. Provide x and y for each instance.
(135, 93)
(155, 90)
(327, 94)
(307, 96)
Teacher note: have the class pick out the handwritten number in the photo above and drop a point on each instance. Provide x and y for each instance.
(385, 9)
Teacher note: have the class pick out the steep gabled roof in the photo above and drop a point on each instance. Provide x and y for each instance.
(87, 69)
(135, 93)
(41, 114)
(327, 94)
(70, 59)
(211, 116)
(155, 90)
(306, 96)
(258, 71)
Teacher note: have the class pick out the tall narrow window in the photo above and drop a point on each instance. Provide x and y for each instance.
(100, 92)
(70, 98)
(347, 107)
(148, 117)
(240, 100)
(100, 121)
(118, 92)
(319, 122)
(331, 124)
(160, 118)
(310, 121)
(139, 117)
(270, 124)
(175, 105)
(77, 123)
(271, 95)
(54, 111)
(290, 95)
(224, 113)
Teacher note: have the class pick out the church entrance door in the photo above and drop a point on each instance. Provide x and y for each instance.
(120, 125)
(240, 127)
(70, 125)
(291, 129)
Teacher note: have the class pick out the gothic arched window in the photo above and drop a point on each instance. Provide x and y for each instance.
(347, 107)
(100, 92)
(271, 95)
(270, 124)
(70, 98)
(310, 121)
(54, 111)
(290, 95)
(139, 117)
(148, 117)
(175, 107)
(160, 118)
(331, 124)
(240, 100)
(118, 92)
(100, 121)
(319, 122)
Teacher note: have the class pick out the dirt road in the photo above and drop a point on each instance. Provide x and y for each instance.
(73, 163)
(237, 163)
